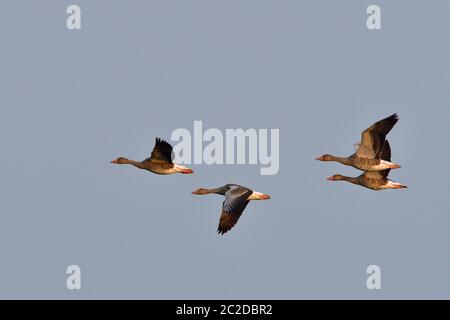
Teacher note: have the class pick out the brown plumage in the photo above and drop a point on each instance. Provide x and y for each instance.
(160, 161)
(236, 200)
(375, 180)
(368, 156)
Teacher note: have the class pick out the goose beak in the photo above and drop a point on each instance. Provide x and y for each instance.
(330, 178)
(195, 192)
(265, 197)
(319, 158)
(115, 161)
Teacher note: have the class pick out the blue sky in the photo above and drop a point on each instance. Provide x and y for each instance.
(74, 100)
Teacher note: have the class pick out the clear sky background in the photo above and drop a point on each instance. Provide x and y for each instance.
(71, 101)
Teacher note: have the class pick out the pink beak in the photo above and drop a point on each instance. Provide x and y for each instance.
(330, 178)
(319, 158)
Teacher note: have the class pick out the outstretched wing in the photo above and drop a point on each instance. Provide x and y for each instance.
(161, 152)
(373, 138)
(232, 208)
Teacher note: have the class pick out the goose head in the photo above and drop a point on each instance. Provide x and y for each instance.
(336, 177)
(201, 191)
(120, 160)
(325, 157)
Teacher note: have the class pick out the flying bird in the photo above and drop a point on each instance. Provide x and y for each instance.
(236, 200)
(160, 161)
(368, 156)
(375, 180)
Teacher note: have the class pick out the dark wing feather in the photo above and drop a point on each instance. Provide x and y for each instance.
(385, 173)
(232, 208)
(161, 152)
(373, 138)
(386, 152)
(386, 155)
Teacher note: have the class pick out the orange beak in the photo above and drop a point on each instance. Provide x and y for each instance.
(115, 161)
(319, 158)
(265, 197)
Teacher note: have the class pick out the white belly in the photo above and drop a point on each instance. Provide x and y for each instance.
(385, 165)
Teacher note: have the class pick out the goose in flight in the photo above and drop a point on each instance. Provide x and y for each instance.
(236, 200)
(375, 180)
(160, 161)
(368, 155)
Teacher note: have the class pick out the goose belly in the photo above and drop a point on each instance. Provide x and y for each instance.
(163, 170)
(382, 166)
(372, 185)
(394, 185)
(373, 165)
